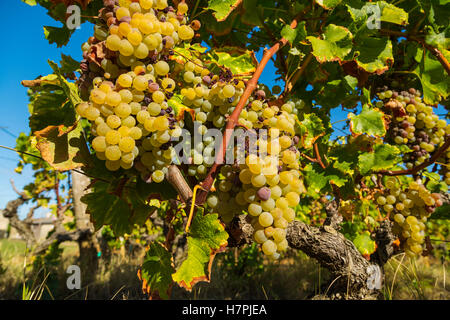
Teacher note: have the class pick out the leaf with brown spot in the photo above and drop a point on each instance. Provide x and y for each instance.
(206, 238)
(64, 148)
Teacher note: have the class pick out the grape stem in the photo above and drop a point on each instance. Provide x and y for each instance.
(425, 164)
(438, 54)
(318, 157)
(233, 119)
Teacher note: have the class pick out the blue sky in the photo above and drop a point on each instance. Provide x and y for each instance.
(24, 57)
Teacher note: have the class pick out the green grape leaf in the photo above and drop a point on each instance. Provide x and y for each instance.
(384, 156)
(26, 143)
(164, 189)
(222, 8)
(365, 245)
(141, 210)
(312, 129)
(438, 40)
(238, 60)
(319, 180)
(49, 107)
(68, 64)
(335, 44)
(288, 33)
(69, 88)
(374, 55)
(328, 4)
(120, 210)
(206, 238)
(437, 12)
(63, 148)
(392, 14)
(251, 11)
(441, 213)
(156, 271)
(362, 11)
(369, 121)
(219, 28)
(108, 209)
(435, 184)
(338, 92)
(435, 81)
(59, 36)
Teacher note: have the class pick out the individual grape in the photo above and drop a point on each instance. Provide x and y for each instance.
(269, 247)
(185, 32)
(99, 144)
(282, 245)
(254, 209)
(390, 199)
(158, 176)
(292, 198)
(154, 109)
(228, 91)
(126, 144)
(268, 204)
(113, 153)
(113, 42)
(265, 219)
(260, 236)
(162, 68)
(126, 48)
(112, 165)
(125, 80)
(182, 8)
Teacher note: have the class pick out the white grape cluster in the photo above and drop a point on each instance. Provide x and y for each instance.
(268, 184)
(414, 124)
(409, 208)
(127, 106)
(212, 97)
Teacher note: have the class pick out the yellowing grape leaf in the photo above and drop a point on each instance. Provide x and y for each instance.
(365, 245)
(206, 238)
(374, 55)
(156, 271)
(334, 44)
(238, 60)
(222, 8)
(363, 11)
(369, 121)
(176, 103)
(328, 4)
(63, 148)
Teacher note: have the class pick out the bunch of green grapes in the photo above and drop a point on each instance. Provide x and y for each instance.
(212, 97)
(268, 184)
(409, 208)
(129, 88)
(414, 124)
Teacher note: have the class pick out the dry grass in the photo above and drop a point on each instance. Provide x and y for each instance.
(295, 277)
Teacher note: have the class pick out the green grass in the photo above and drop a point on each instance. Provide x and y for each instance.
(12, 247)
